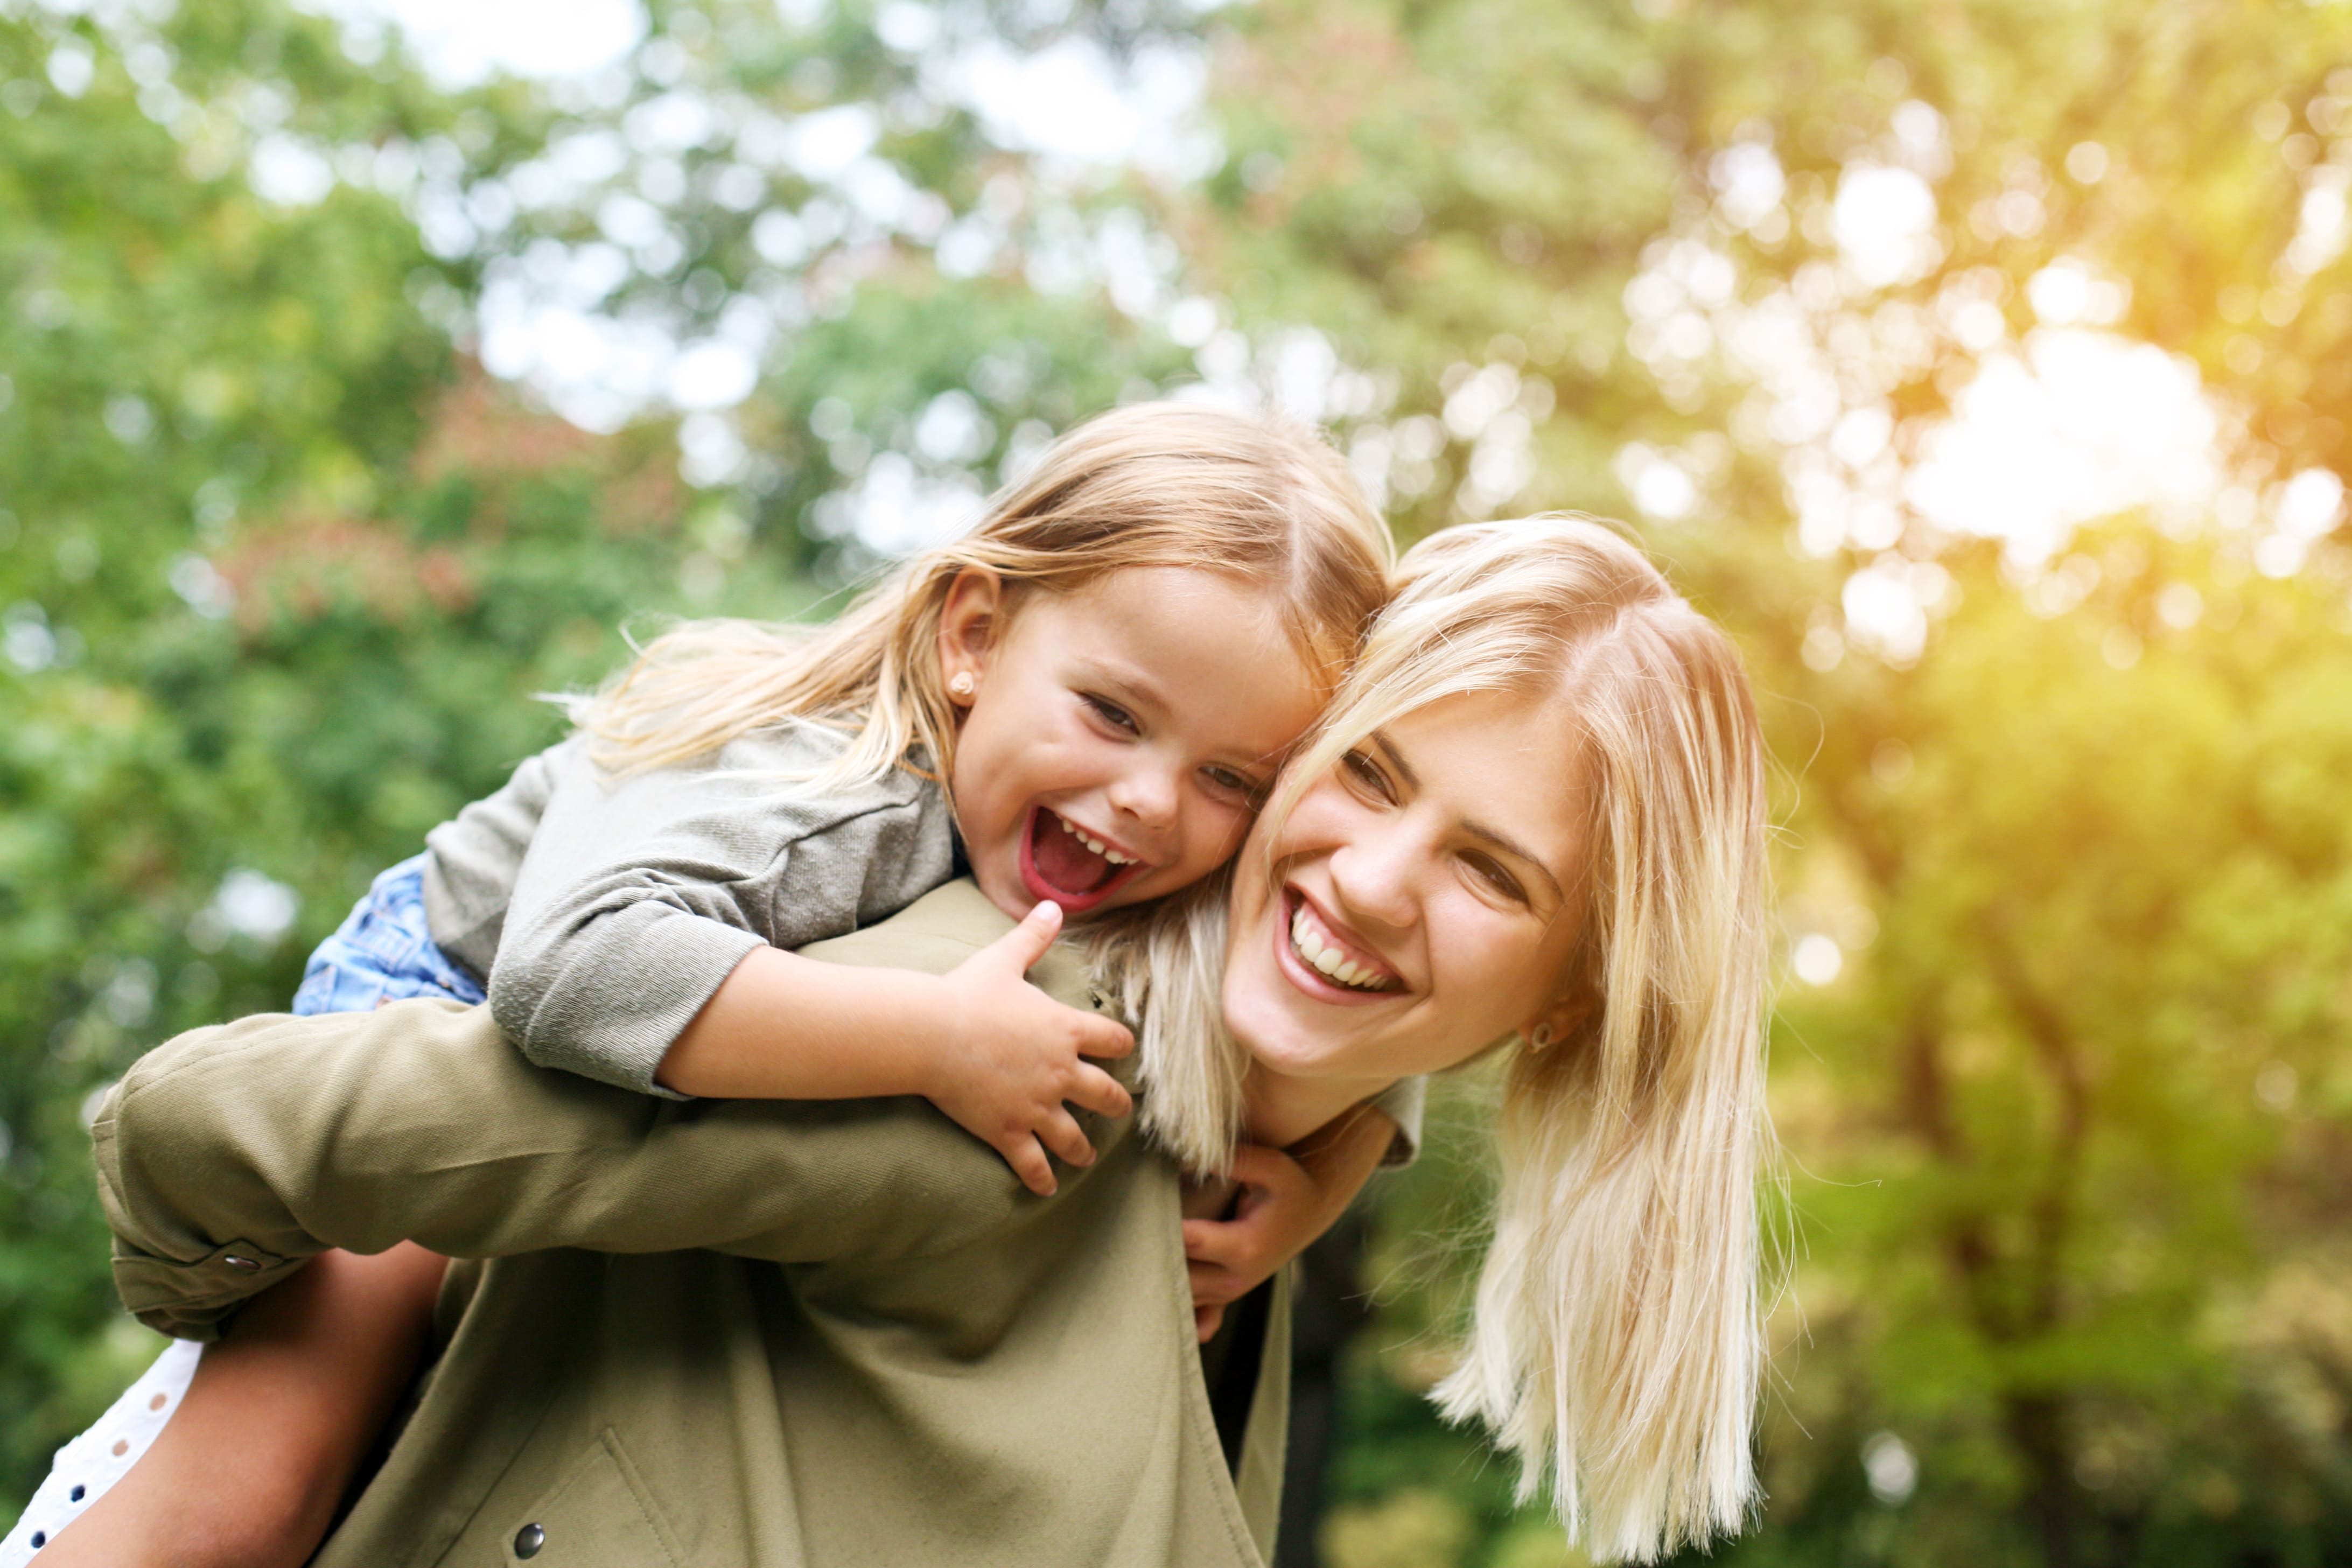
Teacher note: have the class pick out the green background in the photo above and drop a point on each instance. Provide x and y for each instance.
(2069, 1128)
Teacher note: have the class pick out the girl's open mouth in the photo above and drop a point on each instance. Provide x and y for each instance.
(1070, 865)
(1326, 963)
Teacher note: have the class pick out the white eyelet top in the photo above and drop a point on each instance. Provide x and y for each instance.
(94, 1461)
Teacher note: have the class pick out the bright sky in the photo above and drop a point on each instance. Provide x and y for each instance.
(463, 41)
(2071, 424)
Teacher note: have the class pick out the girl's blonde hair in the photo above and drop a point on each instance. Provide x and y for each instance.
(1616, 1343)
(1153, 484)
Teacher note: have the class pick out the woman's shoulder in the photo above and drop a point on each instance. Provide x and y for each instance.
(934, 934)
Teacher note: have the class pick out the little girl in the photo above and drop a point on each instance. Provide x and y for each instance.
(1081, 702)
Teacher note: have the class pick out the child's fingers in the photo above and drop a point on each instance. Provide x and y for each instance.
(1101, 1036)
(1092, 1088)
(1026, 943)
(1029, 1163)
(1060, 1133)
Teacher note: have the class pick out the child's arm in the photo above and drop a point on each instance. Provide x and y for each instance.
(1287, 1198)
(641, 895)
(247, 1471)
(997, 1054)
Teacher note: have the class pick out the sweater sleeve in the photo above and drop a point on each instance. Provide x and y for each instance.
(471, 861)
(639, 897)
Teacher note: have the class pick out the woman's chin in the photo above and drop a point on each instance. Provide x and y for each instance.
(1271, 1027)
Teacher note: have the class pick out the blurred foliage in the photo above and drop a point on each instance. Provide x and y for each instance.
(2066, 874)
(2067, 1112)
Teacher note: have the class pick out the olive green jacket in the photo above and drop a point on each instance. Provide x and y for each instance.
(880, 1349)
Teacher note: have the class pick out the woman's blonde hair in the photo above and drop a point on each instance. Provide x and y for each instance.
(1616, 1341)
(1154, 484)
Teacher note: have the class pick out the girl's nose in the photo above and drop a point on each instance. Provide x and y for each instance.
(1145, 794)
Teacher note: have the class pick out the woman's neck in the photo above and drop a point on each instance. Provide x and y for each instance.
(1278, 1110)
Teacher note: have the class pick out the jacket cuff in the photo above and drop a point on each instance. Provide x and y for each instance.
(191, 1300)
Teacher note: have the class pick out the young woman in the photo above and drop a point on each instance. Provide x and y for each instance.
(1532, 823)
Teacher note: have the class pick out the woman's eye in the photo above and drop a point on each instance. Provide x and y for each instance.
(1365, 773)
(1110, 713)
(1493, 874)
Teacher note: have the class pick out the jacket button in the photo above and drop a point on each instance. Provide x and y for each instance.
(242, 1265)
(529, 1539)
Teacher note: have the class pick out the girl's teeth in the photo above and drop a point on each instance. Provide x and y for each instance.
(1097, 844)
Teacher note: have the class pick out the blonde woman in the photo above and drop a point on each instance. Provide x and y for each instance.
(1532, 824)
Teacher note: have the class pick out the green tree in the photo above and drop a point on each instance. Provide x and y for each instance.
(2058, 1127)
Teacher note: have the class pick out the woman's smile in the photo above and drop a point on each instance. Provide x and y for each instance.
(1327, 960)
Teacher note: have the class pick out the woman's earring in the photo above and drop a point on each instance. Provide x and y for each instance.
(963, 685)
(1540, 1036)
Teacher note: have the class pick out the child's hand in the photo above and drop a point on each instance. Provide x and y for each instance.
(1284, 1203)
(1014, 1056)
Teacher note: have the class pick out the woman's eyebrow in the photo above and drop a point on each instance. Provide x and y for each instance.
(1500, 840)
(1516, 850)
(1396, 759)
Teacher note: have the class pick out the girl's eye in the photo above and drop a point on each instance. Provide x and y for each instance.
(1227, 782)
(1365, 774)
(1110, 713)
(1492, 873)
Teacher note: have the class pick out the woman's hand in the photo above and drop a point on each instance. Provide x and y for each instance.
(1287, 1198)
(1013, 1057)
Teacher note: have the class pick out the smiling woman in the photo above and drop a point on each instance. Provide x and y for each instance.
(1536, 809)
(1421, 883)
(1532, 821)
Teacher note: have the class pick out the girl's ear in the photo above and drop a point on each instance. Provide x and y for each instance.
(968, 622)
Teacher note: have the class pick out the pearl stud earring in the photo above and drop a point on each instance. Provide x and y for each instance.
(963, 685)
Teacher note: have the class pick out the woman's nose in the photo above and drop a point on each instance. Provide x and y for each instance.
(1375, 876)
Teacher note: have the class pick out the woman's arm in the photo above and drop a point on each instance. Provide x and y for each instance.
(248, 1470)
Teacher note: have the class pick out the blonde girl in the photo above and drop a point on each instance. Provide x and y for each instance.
(1082, 703)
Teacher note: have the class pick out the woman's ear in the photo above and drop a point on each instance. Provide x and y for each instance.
(1563, 1020)
(969, 623)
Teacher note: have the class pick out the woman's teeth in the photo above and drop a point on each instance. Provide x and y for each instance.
(1097, 844)
(1307, 938)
